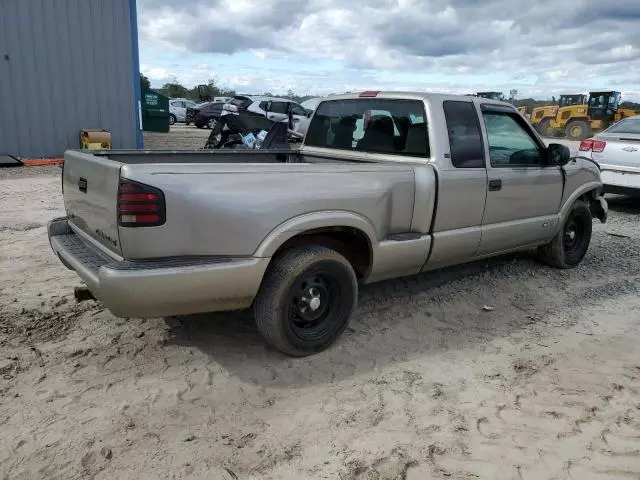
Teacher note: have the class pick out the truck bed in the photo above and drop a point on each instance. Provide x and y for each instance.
(204, 194)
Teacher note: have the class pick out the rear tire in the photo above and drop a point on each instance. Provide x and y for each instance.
(305, 300)
(577, 130)
(172, 119)
(570, 245)
(544, 127)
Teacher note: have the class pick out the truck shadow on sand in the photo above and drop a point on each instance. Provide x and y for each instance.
(451, 309)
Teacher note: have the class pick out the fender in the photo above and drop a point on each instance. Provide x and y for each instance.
(309, 221)
(585, 188)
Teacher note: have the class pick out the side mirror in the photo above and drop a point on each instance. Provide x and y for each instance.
(558, 155)
(309, 113)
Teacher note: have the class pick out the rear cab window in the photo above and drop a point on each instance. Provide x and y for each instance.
(371, 125)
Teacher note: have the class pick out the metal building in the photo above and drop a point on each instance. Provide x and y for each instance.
(66, 65)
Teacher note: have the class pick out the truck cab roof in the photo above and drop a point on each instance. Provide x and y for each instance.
(413, 95)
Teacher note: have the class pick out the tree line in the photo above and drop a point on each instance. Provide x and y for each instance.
(210, 89)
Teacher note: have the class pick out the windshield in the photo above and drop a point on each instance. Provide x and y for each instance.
(628, 125)
(614, 101)
(311, 104)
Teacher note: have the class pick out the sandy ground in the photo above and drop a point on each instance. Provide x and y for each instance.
(425, 384)
(180, 137)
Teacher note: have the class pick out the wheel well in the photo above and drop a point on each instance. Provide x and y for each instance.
(590, 198)
(351, 243)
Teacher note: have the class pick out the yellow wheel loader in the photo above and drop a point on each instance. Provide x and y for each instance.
(578, 122)
(542, 118)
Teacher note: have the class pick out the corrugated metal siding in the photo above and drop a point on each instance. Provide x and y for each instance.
(70, 66)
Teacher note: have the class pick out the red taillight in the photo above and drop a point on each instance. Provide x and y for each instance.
(140, 205)
(591, 145)
(369, 94)
(134, 207)
(138, 197)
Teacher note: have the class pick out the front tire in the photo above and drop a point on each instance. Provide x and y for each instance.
(172, 119)
(211, 123)
(577, 130)
(305, 300)
(570, 245)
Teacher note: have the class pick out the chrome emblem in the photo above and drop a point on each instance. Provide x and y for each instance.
(630, 149)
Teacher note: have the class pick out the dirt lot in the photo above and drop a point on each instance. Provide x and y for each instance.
(181, 137)
(425, 383)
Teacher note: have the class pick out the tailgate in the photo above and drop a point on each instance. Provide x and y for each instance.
(90, 190)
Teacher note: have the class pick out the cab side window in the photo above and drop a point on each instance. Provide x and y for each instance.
(465, 140)
(509, 143)
(278, 107)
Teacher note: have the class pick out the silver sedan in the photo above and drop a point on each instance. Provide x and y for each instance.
(617, 151)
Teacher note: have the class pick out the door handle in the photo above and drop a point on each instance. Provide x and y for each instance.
(495, 185)
(82, 185)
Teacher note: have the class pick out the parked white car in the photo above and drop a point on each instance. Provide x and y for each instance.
(617, 151)
(276, 109)
(178, 109)
(311, 104)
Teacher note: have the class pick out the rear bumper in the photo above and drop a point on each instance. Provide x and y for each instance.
(158, 288)
(621, 182)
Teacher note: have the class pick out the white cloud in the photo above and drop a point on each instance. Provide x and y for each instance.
(572, 45)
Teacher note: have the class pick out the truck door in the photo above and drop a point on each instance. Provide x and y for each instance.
(462, 185)
(523, 194)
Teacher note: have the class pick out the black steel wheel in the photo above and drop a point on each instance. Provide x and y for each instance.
(570, 245)
(313, 302)
(305, 300)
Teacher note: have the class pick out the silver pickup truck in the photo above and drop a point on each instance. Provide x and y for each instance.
(385, 185)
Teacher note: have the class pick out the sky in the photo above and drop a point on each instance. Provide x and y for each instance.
(316, 47)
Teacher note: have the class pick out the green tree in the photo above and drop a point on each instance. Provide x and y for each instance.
(145, 84)
(174, 90)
